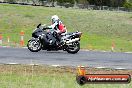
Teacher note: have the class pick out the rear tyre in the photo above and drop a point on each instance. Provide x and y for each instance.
(34, 45)
(74, 48)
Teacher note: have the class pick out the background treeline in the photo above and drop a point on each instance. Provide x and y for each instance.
(110, 3)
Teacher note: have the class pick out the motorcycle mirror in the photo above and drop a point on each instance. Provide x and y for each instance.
(77, 30)
(39, 25)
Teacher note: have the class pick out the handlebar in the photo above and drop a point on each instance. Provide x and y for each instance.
(46, 28)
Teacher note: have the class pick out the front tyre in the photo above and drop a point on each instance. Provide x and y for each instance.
(34, 45)
(74, 48)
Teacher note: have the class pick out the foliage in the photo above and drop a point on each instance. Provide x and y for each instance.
(128, 5)
(66, 1)
(112, 3)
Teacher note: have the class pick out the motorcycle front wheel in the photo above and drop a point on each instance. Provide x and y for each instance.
(34, 45)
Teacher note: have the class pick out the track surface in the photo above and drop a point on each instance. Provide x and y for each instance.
(86, 58)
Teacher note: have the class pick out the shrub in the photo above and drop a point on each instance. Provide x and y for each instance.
(128, 5)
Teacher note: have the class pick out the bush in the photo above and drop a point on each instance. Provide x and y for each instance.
(128, 5)
(10, 1)
(66, 1)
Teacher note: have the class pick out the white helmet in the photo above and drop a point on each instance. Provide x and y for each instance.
(54, 18)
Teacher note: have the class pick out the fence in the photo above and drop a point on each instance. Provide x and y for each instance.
(94, 7)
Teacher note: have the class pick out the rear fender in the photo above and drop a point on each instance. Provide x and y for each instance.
(75, 35)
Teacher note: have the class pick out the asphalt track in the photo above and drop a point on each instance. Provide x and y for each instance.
(86, 58)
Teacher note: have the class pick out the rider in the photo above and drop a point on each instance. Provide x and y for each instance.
(58, 27)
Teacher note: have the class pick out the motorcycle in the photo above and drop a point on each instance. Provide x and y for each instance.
(44, 39)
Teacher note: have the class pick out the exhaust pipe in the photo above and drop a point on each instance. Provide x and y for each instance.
(73, 40)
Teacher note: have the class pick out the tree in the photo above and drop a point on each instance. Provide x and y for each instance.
(42, 2)
(128, 5)
(115, 3)
(10, 1)
(66, 1)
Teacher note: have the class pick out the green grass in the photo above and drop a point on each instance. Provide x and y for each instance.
(99, 28)
(27, 76)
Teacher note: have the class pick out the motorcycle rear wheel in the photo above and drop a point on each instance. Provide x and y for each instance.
(74, 48)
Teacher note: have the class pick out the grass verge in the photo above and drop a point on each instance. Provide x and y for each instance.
(100, 28)
(41, 76)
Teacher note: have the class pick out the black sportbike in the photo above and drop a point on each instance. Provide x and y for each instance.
(44, 39)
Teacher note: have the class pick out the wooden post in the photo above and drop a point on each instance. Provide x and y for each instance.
(0, 39)
(81, 70)
(22, 38)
